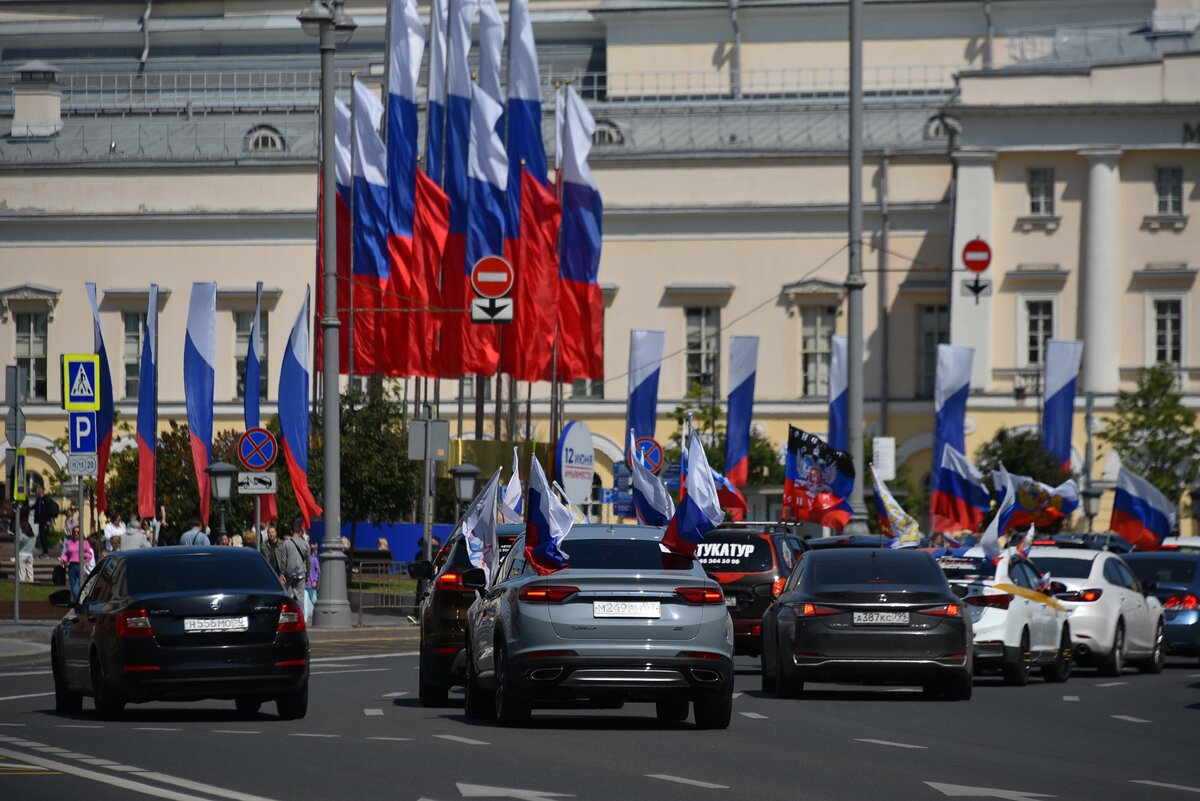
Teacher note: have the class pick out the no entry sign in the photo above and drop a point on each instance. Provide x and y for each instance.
(492, 277)
(977, 255)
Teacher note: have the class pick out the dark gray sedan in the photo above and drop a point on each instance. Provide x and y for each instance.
(624, 621)
(867, 614)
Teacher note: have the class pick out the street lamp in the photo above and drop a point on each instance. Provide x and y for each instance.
(1091, 503)
(222, 474)
(326, 20)
(464, 476)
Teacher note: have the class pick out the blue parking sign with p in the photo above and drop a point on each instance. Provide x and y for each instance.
(83, 432)
(81, 382)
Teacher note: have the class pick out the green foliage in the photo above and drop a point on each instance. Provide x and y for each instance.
(1155, 434)
(765, 465)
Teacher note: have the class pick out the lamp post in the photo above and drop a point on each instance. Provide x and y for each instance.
(464, 476)
(326, 20)
(1091, 503)
(222, 474)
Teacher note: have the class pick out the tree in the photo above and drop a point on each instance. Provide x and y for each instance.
(1155, 434)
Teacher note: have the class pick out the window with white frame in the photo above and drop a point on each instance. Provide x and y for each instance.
(933, 329)
(1168, 331)
(466, 388)
(131, 352)
(1041, 192)
(816, 349)
(243, 321)
(703, 327)
(31, 352)
(1168, 185)
(1039, 328)
(588, 388)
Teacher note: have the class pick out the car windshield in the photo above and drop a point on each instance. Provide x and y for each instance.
(1063, 567)
(736, 553)
(1164, 571)
(877, 571)
(966, 568)
(610, 554)
(199, 572)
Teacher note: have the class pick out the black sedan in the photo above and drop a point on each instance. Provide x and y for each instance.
(867, 614)
(181, 624)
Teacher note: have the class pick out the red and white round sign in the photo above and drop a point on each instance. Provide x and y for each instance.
(977, 255)
(492, 277)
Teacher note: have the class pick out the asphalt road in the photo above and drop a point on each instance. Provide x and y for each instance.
(366, 737)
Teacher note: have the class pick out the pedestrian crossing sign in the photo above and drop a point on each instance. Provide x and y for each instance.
(81, 382)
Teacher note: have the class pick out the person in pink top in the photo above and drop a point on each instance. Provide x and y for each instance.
(70, 558)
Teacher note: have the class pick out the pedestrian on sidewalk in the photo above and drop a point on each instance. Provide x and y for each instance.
(293, 559)
(70, 558)
(194, 535)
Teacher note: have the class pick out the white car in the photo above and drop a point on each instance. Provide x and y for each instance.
(1017, 623)
(1113, 622)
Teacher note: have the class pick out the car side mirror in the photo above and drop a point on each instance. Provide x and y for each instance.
(1148, 587)
(474, 579)
(62, 599)
(421, 569)
(1056, 587)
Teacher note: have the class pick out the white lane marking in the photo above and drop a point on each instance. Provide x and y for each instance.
(753, 715)
(73, 755)
(889, 742)
(1194, 675)
(1165, 785)
(49, 749)
(154, 728)
(336, 659)
(115, 781)
(13, 725)
(691, 782)
(1131, 719)
(1070, 697)
(454, 738)
(737, 695)
(338, 665)
(126, 768)
(395, 695)
(392, 739)
(103, 763)
(77, 726)
(373, 712)
(27, 695)
(29, 673)
(234, 731)
(200, 787)
(1112, 684)
(336, 672)
(315, 735)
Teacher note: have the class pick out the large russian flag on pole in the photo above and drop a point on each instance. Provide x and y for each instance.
(952, 385)
(1141, 514)
(645, 360)
(343, 179)
(104, 417)
(699, 511)
(199, 371)
(743, 367)
(372, 262)
(294, 383)
(1058, 413)
(839, 394)
(435, 132)
(147, 413)
(961, 499)
(487, 169)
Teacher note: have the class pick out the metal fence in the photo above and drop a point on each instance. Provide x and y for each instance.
(1111, 41)
(375, 585)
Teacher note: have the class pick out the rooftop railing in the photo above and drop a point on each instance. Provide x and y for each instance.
(1143, 37)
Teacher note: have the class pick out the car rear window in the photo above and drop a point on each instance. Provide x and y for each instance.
(1060, 567)
(199, 572)
(1164, 571)
(877, 571)
(595, 554)
(736, 554)
(967, 568)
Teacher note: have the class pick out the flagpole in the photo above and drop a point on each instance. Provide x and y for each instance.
(156, 357)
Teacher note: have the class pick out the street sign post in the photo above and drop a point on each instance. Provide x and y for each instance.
(81, 382)
(651, 453)
(14, 426)
(82, 465)
(18, 488)
(257, 449)
(883, 457)
(83, 432)
(428, 441)
(977, 256)
(492, 279)
(16, 382)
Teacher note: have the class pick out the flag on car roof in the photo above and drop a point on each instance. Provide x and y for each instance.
(1058, 411)
(729, 496)
(961, 499)
(651, 501)
(818, 480)
(839, 393)
(547, 523)
(1141, 513)
(699, 511)
(512, 505)
(294, 383)
(147, 412)
(479, 526)
(104, 417)
(199, 372)
(1039, 504)
(990, 541)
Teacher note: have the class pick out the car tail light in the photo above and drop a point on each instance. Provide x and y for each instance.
(450, 581)
(777, 587)
(291, 617)
(997, 601)
(697, 655)
(1081, 595)
(815, 610)
(547, 593)
(701, 595)
(949, 610)
(134, 623)
(1181, 602)
(557, 653)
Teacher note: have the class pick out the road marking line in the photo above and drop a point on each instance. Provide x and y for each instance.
(454, 738)
(691, 782)
(73, 755)
(200, 787)
(315, 735)
(1070, 697)
(393, 739)
(234, 731)
(27, 695)
(395, 695)
(1182, 787)
(360, 670)
(336, 659)
(373, 712)
(1131, 719)
(154, 728)
(1112, 684)
(905, 690)
(737, 695)
(338, 665)
(104, 763)
(126, 768)
(13, 725)
(889, 742)
(25, 743)
(753, 715)
(50, 749)
(29, 673)
(77, 726)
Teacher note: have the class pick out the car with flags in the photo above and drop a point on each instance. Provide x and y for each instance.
(1115, 620)
(1017, 622)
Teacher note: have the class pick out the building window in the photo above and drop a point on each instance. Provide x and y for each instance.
(1168, 331)
(933, 329)
(264, 139)
(703, 342)
(1039, 328)
(816, 348)
(31, 352)
(1168, 184)
(1041, 192)
(588, 388)
(243, 321)
(135, 327)
(466, 388)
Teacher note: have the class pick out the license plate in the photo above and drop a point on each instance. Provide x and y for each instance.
(648, 609)
(199, 625)
(881, 618)
(730, 600)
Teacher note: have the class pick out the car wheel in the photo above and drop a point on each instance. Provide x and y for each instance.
(1114, 663)
(785, 685)
(1016, 667)
(110, 704)
(431, 693)
(1060, 669)
(672, 709)
(959, 686)
(512, 707)
(714, 708)
(1158, 657)
(64, 700)
(480, 704)
(293, 705)
(248, 705)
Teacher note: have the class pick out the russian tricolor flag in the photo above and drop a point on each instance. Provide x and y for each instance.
(952, 386)
(547, 524)
(743, 367)
(960, 500)
(839, 394)
(1141, 514)
(1058, 412)
(651, 501)
(479, 526)
(104, 417)
(199, 372)
(699, 512)
(372, 260)
(645, 359)
(513, 498)
(435, 134)
(990, 541)
(491, 51)
(343, 179)
(487, 170)
(294, 383)
(147, 413)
